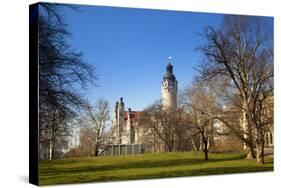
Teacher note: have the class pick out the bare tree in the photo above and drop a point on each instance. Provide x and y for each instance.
(199, 104)
(86, 137)
(168, 126)
(241, 51)
(63, 74)
(155, 121)
(95, 123)
(55, 131)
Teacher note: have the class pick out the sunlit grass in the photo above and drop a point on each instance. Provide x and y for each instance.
(78, 170)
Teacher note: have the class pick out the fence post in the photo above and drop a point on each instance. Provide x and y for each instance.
(112, 150)
(133, 150)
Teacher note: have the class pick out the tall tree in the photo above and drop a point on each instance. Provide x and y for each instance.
(199, 104)
(168, 126)
(241, 51)
(62, 71)
(54, 130)
(95, 124)
(86, 136)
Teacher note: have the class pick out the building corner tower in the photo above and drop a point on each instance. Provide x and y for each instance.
(169, 88)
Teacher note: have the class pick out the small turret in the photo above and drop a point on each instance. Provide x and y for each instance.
(129, 119)
(116, 109)
(121, 102)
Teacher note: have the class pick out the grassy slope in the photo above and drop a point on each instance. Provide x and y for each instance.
(145, 166)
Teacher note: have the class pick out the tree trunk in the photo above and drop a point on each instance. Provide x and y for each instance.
(244, 123)
(211, 141)
(250, 153)
(250, 150)
(51, 150)
(201, 143)
(193, 144)
(260, 149)
(206, 149)
(96, 153)
(260, 154)
(169, 148)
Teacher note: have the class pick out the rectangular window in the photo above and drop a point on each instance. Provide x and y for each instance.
(270, 140)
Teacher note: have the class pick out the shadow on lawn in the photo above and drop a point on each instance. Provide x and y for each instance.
(61, 174)
(169, 174)
(207, 171)
(137, 164)
(184, 173)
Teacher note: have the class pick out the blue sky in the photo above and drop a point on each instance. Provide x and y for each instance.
(130, 49)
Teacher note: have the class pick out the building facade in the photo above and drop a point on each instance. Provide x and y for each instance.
(231, 141)
(125, 127)
(268, 113)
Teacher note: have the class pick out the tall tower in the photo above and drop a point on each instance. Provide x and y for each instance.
(169, 88)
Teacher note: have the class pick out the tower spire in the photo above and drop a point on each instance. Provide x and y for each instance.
(170, 59)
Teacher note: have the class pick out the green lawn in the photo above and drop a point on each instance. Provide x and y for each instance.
(78, 170)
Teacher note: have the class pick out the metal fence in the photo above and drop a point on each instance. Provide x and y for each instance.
(124, 149)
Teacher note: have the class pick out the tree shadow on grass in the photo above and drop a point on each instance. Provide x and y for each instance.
(105, 172)
(210, 171)
(195, 172)
(136, 165)
(169, 174)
